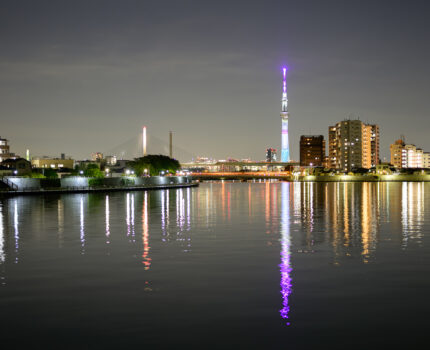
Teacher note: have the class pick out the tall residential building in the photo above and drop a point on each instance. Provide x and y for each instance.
(396, 150)
(408, 156)
(332, 147)
(353, 144)
(374, 145)
(285, 151)
(312, 150)
(271, 155)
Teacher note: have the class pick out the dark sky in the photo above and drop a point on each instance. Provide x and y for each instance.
(84, 76)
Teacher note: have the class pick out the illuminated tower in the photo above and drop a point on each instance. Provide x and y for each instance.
(144, 141)
(285, 149)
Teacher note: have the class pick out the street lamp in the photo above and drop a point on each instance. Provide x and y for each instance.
(127, 172)
(145, 171)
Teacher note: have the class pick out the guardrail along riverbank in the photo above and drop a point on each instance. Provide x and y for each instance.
(25, 186)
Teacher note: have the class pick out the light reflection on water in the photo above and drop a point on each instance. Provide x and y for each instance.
(286, 280)
(295, 218)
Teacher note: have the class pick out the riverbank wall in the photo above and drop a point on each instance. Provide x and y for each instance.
(20, 185)
(318, 178)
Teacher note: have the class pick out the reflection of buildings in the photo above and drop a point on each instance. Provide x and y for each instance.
(107, 219)
(412, 216)
(344, 216)
(285, 266)
(2, 236)
(146, 260)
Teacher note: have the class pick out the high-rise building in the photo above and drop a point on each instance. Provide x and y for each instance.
(271, 155)
(396, 150)
(285, 148)
(353, 144)
(312, 150)
(332, 147)
(374, 145)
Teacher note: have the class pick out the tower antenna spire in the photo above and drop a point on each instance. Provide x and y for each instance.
(285, 150)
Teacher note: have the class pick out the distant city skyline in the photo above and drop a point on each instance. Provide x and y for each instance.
(79, 77)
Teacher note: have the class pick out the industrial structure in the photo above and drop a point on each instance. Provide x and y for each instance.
(285, 148)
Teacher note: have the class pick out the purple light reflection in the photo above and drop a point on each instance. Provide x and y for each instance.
(285, 266)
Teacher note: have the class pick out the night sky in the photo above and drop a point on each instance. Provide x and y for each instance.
(83, 76)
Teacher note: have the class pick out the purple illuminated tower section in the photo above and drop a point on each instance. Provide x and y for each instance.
(285, 148)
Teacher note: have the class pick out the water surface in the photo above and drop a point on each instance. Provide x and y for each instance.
(225, 265)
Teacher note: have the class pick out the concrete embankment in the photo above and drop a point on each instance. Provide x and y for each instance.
(363, 178)
(21, 186)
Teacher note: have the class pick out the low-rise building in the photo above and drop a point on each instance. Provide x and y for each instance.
(111, 160)
(408, 156)
(18, 166)
(5, 150)
(426, 160)
(97, 157)
(53, 163)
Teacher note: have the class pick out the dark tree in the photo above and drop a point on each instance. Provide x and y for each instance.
(154, 164)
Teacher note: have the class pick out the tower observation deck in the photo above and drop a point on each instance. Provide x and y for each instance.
(285, 148)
